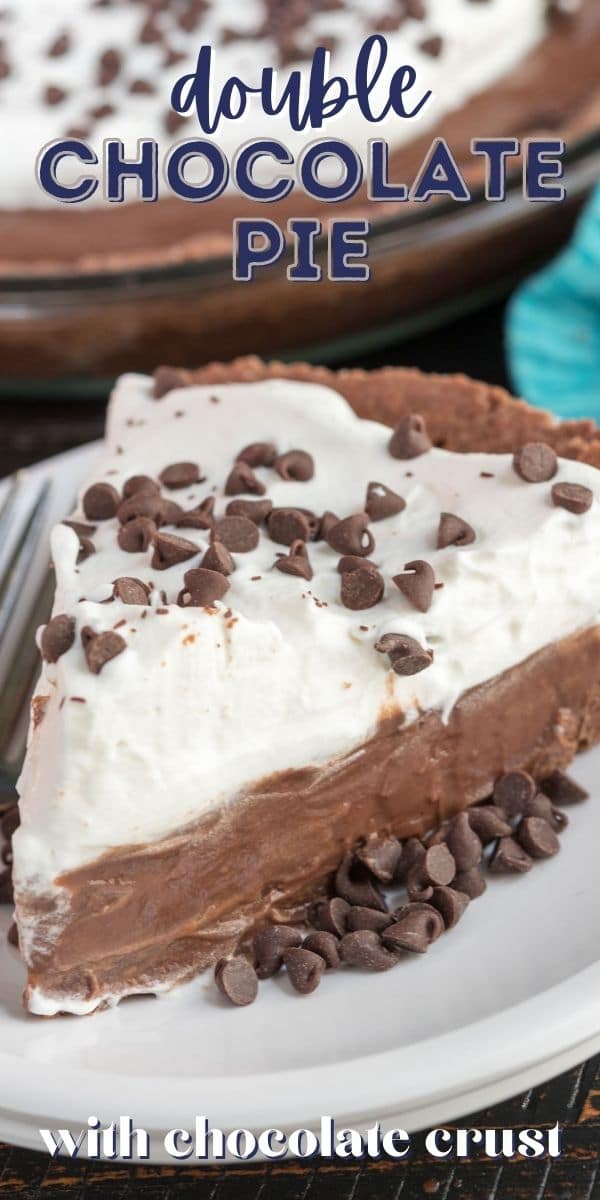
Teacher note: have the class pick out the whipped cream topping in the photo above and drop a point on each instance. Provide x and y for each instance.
(204, 703)
(46, 95)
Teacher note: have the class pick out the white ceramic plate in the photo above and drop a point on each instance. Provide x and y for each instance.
(510, 998)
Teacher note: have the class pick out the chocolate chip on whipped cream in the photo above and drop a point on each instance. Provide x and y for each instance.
(381, 502)
(296, 465)
(572, 496)
(137, 535)
(406, 656)
(258, 454)
(417, 584)
(57, 637)
(287, 525)
(535, 462)
(242, 479)
(180, 475)
(202, 587)
(100, 502)
(168, 379)
(170, 549)
(410, 438)
(140, 483)
(100, 648)
(361, 587)
(254, 510)
(328, 520)
(200, 517)
(130, 591)
(81, 528)
(352, 536)
(218, 558)
(454, 531)
(238, 534)
(296, 562)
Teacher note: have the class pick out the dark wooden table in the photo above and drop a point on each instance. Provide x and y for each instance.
(30, 430)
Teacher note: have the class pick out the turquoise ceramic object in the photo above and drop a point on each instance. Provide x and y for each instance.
(553, 327)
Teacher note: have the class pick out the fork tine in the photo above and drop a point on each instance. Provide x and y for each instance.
(21, 676)
(17, 567)
(8, 504)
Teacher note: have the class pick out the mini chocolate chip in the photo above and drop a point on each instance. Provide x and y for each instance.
(326, 946)
(572, 496)
(81, 529)
(354, 884)
(453, 531)
(258, 454)
(12, 936)
(141, 87)
(130, 591)
(561, 789)
(406, 656)
(58, 637)
(180, 475)
(363, 948)
(287, 525)
(511, 857)
(360, 917)
(412, 853)
(488, 822)
(254, 510)
(142, 504)
(361, 588)
(170, 549)
(54, 95)
(218, 558)
(9, 822)
(328, 520)
(470, 882)
(415, 928)
(304, 969)
(137, 535)
(382, 502)
(199, 517)
(100, 648)
(352, 536)
(537, 837)
(418, 586)
(535, 462)
(202, 588)
(168, 379)
(410, 438)
(109, 66)
(296, 465)
(6, 886)
(381, 855)
(238, 534)
(332, 916)
(101, 502)
(542, 806)
(236, 980)
(450, 903)
(513, 790)
(269, 946)
(140, 483)
(296, 562)
(242, 479)
(463, 843)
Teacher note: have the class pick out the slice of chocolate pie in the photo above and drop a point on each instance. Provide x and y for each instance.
(280, 627)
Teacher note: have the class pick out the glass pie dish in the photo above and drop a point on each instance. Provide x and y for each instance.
(83, 329)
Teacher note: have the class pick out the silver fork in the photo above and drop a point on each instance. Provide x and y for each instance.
(24, 512)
